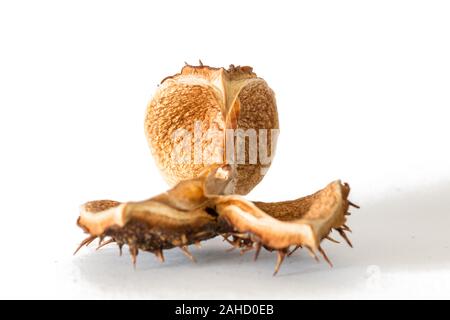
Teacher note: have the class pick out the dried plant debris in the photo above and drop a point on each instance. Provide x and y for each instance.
(190, 213)
(206, 199)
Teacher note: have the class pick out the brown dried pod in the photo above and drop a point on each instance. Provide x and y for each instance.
(204, 201)
(210, 100)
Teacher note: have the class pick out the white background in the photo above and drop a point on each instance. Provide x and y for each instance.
(363, 91)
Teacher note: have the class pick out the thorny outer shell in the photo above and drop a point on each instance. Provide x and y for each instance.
(186, 214)
(220, 99)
